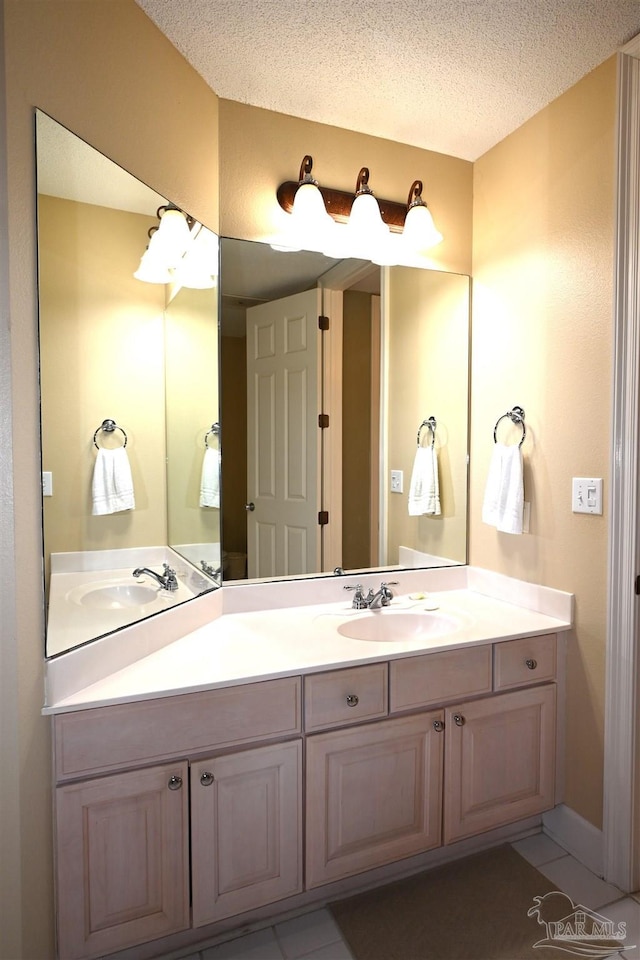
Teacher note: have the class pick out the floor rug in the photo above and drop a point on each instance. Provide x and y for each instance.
(477, 908)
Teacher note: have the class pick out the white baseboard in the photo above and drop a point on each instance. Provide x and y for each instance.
(578, 837)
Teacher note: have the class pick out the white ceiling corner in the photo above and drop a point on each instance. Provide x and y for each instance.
(454, 76)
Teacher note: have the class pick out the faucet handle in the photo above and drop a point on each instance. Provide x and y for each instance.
(359, 601)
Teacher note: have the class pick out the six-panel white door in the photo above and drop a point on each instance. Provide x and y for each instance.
(283, 437)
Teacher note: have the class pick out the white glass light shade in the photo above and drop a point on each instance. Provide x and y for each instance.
(310, 227)
(367, 232)
(152, 270)
(420, 232)
(171, 239)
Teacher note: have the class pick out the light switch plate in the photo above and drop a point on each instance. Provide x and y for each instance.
(47, 483)
(586, 496)
(397, 481)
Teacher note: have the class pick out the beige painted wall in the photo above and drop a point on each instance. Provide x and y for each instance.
(427, 323)
(260, 149)
(102, 69)
(102, 356)
(542, 338)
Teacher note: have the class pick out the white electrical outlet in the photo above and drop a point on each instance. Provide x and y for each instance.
(586, 495)
(47, 483)
(397, 481)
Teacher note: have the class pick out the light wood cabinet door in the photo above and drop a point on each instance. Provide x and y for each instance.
(122, 860)
(499, 760)
(246, 830)
(373, 795)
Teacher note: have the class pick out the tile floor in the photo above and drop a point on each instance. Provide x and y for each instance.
(315, 936)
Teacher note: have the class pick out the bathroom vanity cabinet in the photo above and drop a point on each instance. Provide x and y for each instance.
(180, 811)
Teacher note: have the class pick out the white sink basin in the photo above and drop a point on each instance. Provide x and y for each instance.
(110, 595)
(386, 626)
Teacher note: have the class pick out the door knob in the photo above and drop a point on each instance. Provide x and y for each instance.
(250, 506)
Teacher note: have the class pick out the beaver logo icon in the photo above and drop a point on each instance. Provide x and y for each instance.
(576, 929)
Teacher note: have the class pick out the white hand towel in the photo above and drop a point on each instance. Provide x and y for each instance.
(112, 487)
(504, 494)
(210, 481)
(424, 492)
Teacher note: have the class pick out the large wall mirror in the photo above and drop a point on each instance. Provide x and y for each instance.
(392, 374)
(129, 401)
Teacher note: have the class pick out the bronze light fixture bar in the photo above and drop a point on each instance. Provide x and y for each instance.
(338, 203)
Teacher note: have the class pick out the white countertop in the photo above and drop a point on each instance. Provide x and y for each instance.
(253, 646)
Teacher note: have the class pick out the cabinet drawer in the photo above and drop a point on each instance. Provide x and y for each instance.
(525, 661)
(438, 677)
(127, 734)
(345, 696)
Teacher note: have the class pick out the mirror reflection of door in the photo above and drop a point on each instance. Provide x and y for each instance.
(283, 445)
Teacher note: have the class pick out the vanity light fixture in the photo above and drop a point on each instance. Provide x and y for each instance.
(420, 233)
(371, 223)
(310, 222)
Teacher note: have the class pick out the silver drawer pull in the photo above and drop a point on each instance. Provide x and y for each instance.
(458, 719)
(352, 700)
(438, 725)
(206, 779)
(531, 663)
(175, 783)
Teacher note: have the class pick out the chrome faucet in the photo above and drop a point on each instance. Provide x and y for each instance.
(168, 581)
(209, 570)
(372, 601)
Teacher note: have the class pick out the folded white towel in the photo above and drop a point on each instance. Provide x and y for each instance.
(112, 488)
(210, 481)
(503, 504)
(424, 492)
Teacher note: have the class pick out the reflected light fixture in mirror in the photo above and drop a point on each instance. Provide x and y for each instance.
(180, 251)
(374, 227)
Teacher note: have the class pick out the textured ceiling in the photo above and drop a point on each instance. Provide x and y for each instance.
(455, 76)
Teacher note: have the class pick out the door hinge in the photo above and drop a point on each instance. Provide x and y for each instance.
(323, 323)
(323, 420)
(638, 586)
(323, 518)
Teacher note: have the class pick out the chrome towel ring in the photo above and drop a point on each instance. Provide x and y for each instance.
(109, 426)
(516, 415)
(215, 430)
(431, 423)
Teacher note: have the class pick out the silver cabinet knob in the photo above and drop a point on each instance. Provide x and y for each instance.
(438, 725)
(531, 663)
(458, 719)
(206, 779)
(352, 700)
(250, 507)
(175, 783)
